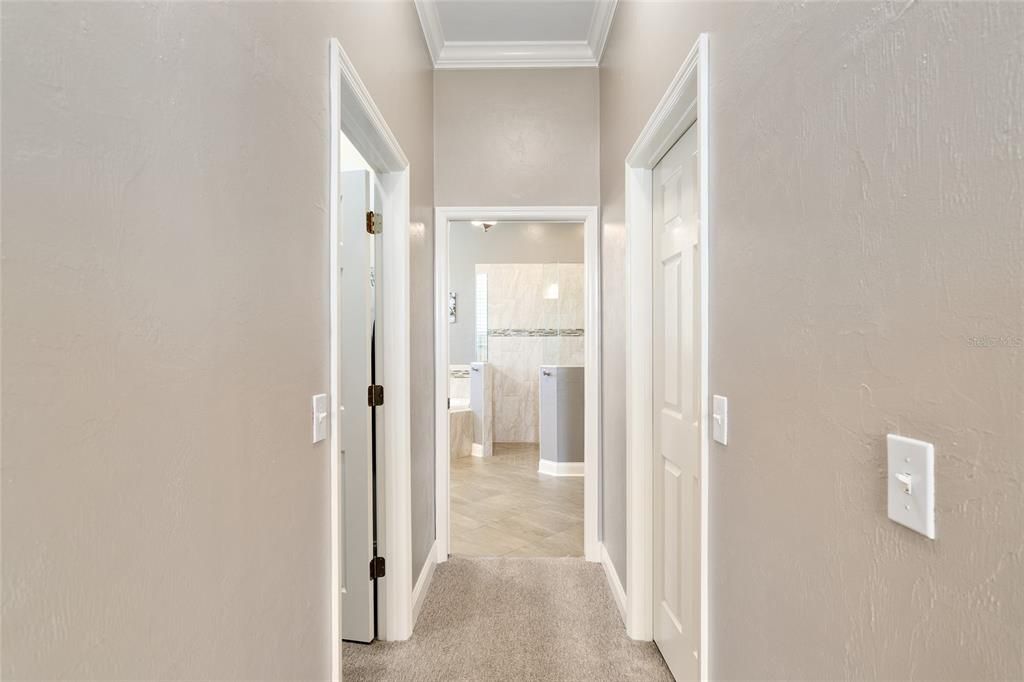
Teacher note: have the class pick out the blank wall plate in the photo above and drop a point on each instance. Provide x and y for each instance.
(911, 484)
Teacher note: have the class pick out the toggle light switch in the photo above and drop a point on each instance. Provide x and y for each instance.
(320, 422)
(720, 419)
(911, 487)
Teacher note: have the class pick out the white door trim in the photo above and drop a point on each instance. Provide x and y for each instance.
(592, 344)
(449, 54)
(685, 101)
(549, 468)
(353, 112)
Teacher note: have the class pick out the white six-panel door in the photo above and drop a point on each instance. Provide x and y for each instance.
(677, 405)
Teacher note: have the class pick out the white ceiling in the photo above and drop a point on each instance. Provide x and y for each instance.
(468, 34)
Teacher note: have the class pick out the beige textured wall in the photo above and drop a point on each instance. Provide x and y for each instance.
(165, 324)
(867, 230)
(515, 137)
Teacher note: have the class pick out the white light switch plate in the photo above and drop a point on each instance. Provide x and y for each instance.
(720, 419)
(319, 417)
(911, 484)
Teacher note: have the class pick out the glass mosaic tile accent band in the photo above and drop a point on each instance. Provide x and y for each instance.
(535, 332)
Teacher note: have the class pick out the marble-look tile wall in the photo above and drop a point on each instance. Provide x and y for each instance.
(458, 385)
(481, 378)
(460, 416)
(460, 433)
(535, 317)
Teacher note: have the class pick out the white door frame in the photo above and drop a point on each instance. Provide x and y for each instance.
(685, 102)
(353, 112)
(592, 344)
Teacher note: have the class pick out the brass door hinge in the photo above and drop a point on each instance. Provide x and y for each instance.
(374, 223)
(375, 395)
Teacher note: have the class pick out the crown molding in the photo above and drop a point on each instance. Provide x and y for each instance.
(519, 54)
(430, 20)
(600, 26)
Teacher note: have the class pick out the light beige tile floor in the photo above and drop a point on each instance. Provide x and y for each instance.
(501, 506)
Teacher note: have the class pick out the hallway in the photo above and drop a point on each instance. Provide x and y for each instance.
(748, 274)
(512, 619)
(501, 506)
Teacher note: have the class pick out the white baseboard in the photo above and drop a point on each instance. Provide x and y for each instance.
(419, 592)
(618, 593)
(560, 468)
(478, 450)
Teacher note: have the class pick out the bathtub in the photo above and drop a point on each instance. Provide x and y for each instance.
(469, 422)
(460, 414)
(460, 428)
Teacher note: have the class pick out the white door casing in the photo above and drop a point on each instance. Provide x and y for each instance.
(684, 103)
(588, 215)
(677, 406)
(352, 112)
(356, 304)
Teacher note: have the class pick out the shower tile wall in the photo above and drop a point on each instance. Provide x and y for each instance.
(458, 384)
(535, 316)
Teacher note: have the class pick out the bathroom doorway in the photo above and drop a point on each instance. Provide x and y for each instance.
(517, 382)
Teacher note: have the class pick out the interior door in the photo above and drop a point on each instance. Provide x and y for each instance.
(377, 413)
(677, 392)
(355, 428)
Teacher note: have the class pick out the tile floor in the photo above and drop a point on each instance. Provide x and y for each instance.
(501, 506)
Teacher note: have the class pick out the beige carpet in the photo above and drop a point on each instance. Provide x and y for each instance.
(512, 619)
